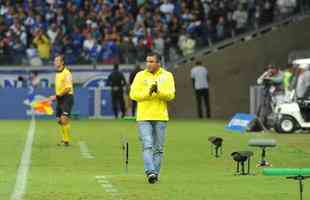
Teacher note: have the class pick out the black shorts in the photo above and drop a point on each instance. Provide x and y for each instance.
(64, 105)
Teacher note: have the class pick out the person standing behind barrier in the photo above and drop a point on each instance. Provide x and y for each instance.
(131, 78)
(199, 75)
(34, 79)
(117, 82)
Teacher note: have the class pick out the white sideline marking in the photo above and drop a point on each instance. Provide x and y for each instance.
(103, 181)
(100, 177)
(85, 151)
(108, 187)
(21, 179)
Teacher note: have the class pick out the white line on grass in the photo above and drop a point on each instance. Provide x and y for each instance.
(85, 153)
(21, 179)
(108, 187)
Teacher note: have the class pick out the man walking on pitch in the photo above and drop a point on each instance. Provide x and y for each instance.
(63, 97)
(152, 88)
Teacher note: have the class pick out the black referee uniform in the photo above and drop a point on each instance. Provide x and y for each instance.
(117, 82)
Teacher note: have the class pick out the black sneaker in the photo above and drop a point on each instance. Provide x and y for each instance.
(152, 178)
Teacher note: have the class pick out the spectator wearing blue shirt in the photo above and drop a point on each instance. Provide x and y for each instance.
(77, 41)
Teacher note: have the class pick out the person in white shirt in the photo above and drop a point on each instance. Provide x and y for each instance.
(199, 75)
(303, 90)
(33, 56)
(303, 84)
(159, 44)
(167, 7)
(89, 43)
(286, 7)
(186, 44)
(52, 32)
(240, 17)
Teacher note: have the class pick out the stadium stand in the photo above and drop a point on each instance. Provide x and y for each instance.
(108, 31)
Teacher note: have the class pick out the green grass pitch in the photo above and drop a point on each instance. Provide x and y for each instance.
(189, 171)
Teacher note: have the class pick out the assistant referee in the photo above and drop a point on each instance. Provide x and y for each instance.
(64, 97)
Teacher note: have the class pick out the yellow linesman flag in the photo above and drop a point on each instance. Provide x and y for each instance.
(43, 107)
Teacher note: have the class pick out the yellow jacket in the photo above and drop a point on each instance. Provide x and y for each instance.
(152, 107)
(43, 46)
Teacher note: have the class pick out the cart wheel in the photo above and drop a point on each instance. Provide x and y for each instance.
(286, 125)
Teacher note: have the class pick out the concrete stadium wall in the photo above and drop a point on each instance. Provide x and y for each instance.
(233, 69)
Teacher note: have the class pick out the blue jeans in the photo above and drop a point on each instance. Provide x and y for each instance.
(152, 136)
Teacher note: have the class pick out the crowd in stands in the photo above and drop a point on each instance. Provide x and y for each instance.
(123, 31)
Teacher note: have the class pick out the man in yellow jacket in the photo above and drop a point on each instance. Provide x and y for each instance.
(152, 88)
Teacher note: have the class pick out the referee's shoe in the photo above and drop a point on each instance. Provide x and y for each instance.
(65, 143)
